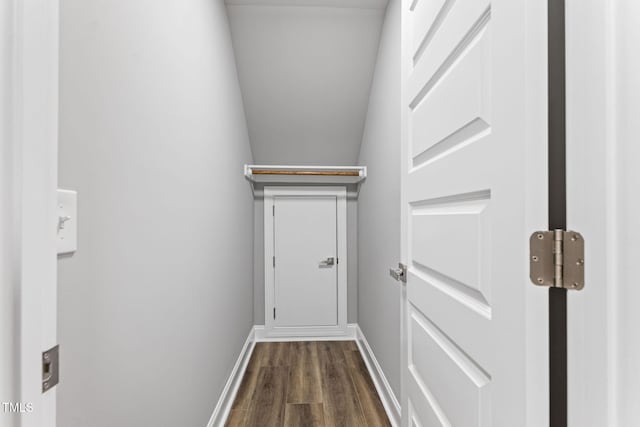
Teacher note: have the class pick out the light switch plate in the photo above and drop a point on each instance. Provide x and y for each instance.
(67, 221)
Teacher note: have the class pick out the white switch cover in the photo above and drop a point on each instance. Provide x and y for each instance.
(67, 221)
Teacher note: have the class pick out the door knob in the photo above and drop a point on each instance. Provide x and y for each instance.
(400, 273)
(327, 262)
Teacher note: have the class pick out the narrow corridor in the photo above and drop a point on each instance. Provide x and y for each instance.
(307, 383)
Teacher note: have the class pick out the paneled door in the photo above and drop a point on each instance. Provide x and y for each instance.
(305, 261)
(305, 247)
(474, 188)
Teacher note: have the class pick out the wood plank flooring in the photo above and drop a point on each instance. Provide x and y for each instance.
(307, 383)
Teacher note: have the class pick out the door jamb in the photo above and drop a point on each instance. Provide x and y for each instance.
(341, 329)
(557, 207)
(30, 68)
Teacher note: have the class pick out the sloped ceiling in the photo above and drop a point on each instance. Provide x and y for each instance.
(305, 70)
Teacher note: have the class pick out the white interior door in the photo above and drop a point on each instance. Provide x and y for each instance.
(474, 188)
(305, 248)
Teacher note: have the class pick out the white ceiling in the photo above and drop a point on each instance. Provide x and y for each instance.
(305, 69)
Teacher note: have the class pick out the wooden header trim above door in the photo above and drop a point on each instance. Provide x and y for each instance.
(308, 173)
(302, 175)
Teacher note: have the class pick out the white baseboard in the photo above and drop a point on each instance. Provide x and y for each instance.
(221, 412)
(308, 334)
(391, 404)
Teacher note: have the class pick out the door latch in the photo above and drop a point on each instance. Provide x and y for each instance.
(328, 262)
(400, 273)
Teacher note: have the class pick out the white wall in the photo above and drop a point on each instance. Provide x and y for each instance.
(156, 304)
(258, 261)
(379, 206)
(352, 258)
(305, 69)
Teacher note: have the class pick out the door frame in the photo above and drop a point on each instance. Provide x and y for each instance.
(30, 139)
(341, 329)
(602, 100)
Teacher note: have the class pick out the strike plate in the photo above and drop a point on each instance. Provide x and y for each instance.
(50, 368)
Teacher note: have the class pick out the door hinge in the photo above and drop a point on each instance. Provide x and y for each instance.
(556, 259)
(50, 368)
(274, 313)
(273, 211)
(274, 261)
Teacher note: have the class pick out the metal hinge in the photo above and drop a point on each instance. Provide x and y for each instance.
(274, 261)
(50, 368)
(274, 210)
(274, 312)
(557, 259)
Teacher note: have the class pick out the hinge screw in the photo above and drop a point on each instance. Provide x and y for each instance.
(580, 262)
(540, 236)
(534, 258)
(540, 280)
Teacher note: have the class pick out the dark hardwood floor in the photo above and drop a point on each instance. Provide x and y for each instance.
(308, 383)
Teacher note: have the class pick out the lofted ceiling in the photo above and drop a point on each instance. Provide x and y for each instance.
(305, 70)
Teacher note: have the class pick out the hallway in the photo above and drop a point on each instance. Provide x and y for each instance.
(307, 383)
(319, 213)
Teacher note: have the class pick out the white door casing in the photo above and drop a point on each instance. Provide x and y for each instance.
(306, 227)
(30, 126)
(474, 183)
(603, 105)
(9, 212)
